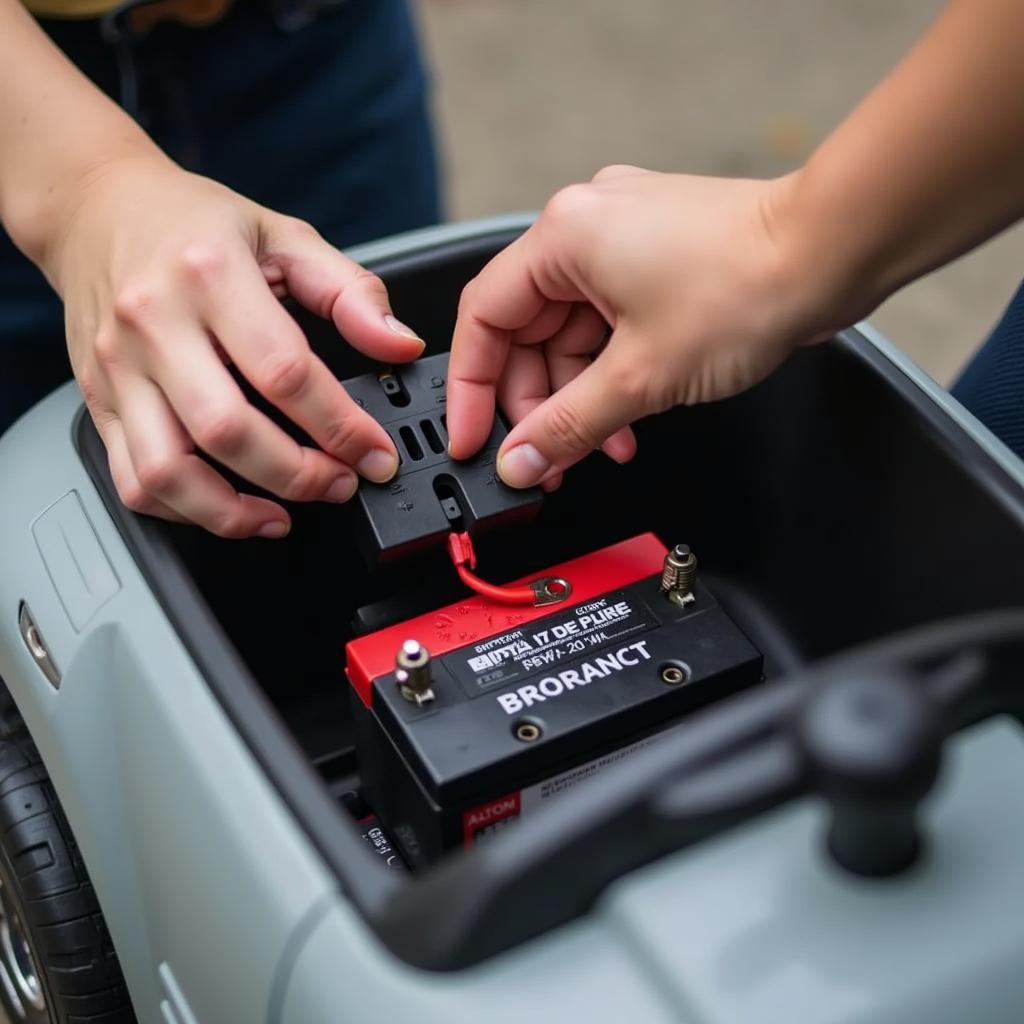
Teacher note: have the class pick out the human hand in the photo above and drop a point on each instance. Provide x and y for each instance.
(167, 276)
(698, 280)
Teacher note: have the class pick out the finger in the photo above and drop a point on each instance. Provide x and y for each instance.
(217, 416)
(271, 352)
(621, 446)
(169, 471)
(548, 322)
(573, 422)
(122, 472)
(524, 384)
(570, 352)
(501, 299)
(327, 282)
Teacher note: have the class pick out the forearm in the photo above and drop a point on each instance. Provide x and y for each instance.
(930, 164)
(56, 129)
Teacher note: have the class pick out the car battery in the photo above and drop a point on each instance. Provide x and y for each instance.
(513, 705)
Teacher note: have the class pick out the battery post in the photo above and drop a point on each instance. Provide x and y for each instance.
(412, 670)
(678, 575)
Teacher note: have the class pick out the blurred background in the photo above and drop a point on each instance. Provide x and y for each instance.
(533, 94)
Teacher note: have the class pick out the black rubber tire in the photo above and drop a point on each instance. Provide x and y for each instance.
(46, 885)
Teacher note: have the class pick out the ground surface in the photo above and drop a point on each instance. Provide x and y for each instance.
(534, 94)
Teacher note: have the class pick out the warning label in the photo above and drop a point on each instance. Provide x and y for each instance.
(536, 648)
(488, 819)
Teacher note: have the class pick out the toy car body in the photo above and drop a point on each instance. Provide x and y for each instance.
(187, 698)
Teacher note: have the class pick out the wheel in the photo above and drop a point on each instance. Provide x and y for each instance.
(57, 963)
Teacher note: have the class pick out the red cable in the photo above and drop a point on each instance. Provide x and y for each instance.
(460, 547)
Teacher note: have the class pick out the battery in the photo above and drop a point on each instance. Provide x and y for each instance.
(524, 702)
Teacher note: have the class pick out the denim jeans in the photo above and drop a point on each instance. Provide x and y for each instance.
(326, 121)
(992, 385)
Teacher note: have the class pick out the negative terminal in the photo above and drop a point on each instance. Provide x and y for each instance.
(412, 670)
(678, 575)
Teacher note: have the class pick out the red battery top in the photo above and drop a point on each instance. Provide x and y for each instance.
(478, 618)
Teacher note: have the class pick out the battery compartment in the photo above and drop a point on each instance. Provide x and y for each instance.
(829, 505)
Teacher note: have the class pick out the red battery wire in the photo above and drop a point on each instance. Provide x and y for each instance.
(537, 592)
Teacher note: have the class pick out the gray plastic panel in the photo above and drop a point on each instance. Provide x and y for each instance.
(194, 858)
(79, 568)
(580, 974)
(761, 926)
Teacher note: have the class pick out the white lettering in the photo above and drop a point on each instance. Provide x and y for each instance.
(550, 687)
(530, 695)
(570, 678)
(554, 686)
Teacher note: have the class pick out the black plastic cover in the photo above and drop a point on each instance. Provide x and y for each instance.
(432, 493)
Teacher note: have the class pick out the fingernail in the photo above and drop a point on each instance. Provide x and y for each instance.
(378, 465)
(274, 530)
(522, 466)
(342, 489)
(398, 327)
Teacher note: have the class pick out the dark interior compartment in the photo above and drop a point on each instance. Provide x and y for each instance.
(824, 506)
(832, 504)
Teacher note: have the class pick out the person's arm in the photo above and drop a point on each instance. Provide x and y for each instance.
(707, 284)
(166, 275)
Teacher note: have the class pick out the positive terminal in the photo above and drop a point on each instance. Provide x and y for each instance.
(412, 670)
(678, 575)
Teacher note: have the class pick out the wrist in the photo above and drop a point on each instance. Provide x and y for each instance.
(828, 259)
(41, 215)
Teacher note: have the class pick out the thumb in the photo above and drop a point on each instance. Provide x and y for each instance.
(327, 282)
(573, 422)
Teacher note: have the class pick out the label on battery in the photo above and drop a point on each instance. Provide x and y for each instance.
(588, 628)
(377, 839)
(486, 820)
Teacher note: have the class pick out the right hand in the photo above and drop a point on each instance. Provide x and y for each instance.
(630, 295)
(167, 276)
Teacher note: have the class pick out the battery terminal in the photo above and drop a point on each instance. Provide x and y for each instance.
(678, 575)
(412, 670)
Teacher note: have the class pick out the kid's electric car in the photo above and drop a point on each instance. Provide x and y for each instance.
(183, 787)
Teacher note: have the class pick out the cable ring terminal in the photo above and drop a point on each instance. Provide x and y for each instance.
(550, 590)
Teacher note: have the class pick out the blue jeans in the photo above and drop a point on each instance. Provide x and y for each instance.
(992, 385)
(327, 122)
